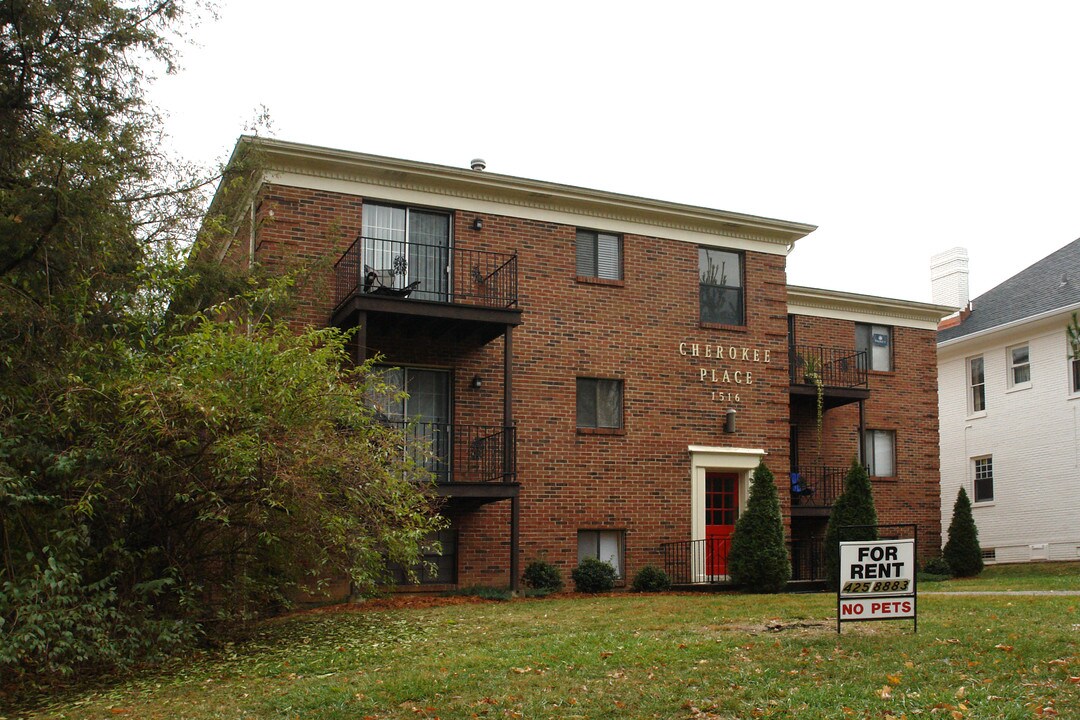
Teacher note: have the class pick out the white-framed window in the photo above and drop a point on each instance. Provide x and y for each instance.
(599, 403)
(876, 342)
(720, 289)
(976, 385)
(605, 545)
(599, 255)
(881, 453)
(984, 478)
(1074, 375)
(1019, 360)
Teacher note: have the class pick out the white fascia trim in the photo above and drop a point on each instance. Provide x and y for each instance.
(838, 305)
(423, 183)
(1031, 319)
(726, 457)
(606, 221)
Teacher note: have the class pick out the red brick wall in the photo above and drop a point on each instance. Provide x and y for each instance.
(903, 400)
(637, 479)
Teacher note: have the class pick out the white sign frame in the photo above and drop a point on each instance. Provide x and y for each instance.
(878, 581)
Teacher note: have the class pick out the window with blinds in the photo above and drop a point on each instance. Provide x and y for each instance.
(599, 255)
(881, 453)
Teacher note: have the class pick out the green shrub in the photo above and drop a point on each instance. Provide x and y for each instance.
(593, 576)
(962, 551)
(482, 591)
(937, 566)
(758, 559)
(855, 506)
(651, 579)
(542, 575)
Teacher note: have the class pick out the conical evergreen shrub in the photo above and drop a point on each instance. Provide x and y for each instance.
(758, 559)
(962, 550)
(855, 506)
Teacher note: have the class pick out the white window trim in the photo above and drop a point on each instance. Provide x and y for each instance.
(991, 501)
(1010, 368)
(969, 388)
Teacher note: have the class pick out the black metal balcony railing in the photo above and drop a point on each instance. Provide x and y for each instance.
(835, 367)
(697, 561)
(455, 453)
(435, 273)
(816, 486)
(807, 558)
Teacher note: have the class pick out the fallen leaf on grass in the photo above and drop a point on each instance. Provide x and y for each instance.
(1006, 648)
(885, 692)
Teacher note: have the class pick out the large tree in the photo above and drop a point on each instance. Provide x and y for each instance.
(161, 466)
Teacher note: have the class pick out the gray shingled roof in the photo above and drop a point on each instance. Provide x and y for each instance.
(1050, 284)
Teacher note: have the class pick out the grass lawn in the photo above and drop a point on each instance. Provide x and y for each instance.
(639, 656)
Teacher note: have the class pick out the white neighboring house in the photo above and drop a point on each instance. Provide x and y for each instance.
(1009, 409)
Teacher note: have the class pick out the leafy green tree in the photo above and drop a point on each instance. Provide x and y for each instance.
(962, 551)
(165, 463)
(758, 559)
(855, 506)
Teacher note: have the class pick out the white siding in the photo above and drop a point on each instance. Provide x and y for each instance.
(1033, 435)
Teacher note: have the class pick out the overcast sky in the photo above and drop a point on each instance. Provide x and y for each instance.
(899, 129)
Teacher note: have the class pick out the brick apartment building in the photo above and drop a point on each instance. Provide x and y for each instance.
(572, 358)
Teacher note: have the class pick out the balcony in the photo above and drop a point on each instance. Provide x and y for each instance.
(429, 290)
(838, 373)
(472, 463)
(815, 489)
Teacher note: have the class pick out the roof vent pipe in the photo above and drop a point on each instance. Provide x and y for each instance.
(478, 164)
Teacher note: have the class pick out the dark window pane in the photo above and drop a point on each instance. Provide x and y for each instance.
(599, 255)
(721, 294)
(586, 254)
(599, 403)
(984, 479)
(586, 402)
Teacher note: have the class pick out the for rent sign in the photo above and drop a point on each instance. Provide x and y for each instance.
(877, 580)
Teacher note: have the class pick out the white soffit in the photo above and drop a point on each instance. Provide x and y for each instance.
(837, 305)
(411, 182)
(726, 457)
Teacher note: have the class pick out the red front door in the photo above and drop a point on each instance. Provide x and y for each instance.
(721, 510)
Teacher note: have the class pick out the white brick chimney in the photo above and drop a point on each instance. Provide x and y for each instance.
(949, 277)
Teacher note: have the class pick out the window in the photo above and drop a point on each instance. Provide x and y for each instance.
(403, 246)
(881, 452)
(721, 289)
(876, 342)
(599, 403)
(976, 385)
(604, 545)
(434, 567)
(1019, 366)
(1074, 375)
(984, 479)
(419, 400)
(599, 255)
